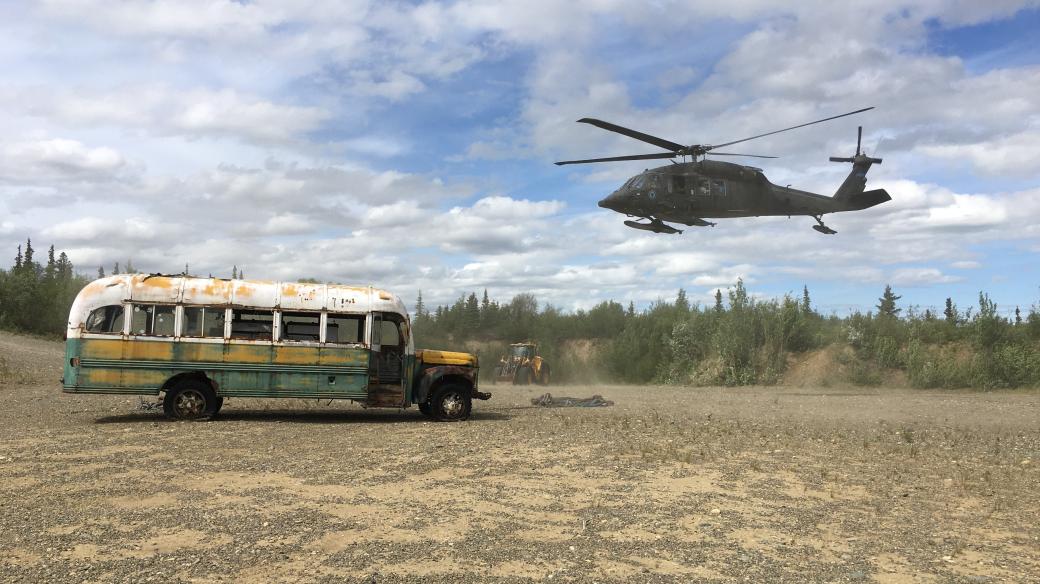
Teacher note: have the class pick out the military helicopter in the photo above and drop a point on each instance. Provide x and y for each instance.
(690, 192)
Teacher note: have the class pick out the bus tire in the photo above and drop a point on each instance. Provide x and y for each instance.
(451, 402)
(425, 409)
(191, 400)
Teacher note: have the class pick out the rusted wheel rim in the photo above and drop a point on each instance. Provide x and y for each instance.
(452, 405)
(189, 403)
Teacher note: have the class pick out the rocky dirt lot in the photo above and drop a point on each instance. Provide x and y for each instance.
(668, 485)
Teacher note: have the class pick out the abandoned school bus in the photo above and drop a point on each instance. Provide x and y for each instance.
(199, 340)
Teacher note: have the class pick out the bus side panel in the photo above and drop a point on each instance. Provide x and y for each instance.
(205, 356)
(104, 368)
(344, 372)
(295, 370)
(147, 364)
(247, 370)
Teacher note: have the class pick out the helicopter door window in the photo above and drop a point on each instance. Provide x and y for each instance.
(701, 188)
(718, 188)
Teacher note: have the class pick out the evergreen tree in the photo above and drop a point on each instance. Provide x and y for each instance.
(950, 312)
(129, 267)
(420, 308)
(115, 269)
(471, 314)
(1018, 316)
(681, 303)
(718, 301)
(631, 309)
(101, 271)
(27, 260)
(806, 304)
(887, 303)
(18, 260)
(234, 272)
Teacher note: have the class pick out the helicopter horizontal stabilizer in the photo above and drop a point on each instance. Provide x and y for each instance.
(869, 199)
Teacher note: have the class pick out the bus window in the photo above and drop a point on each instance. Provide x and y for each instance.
(389, 335)
(205, 322)
(152, 320)
(300, 326)
(106, 320)
(253, 325)
(340, 328)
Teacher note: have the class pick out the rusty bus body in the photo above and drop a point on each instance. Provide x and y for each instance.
(199, 340)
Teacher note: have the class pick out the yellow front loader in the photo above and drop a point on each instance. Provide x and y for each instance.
(522, 366)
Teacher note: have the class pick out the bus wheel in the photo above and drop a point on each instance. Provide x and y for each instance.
(425, 409)
(190, 401)
(451, 403)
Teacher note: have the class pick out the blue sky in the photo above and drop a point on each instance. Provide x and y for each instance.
(410, 145)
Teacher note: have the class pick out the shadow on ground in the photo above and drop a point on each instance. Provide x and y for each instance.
(303, 417)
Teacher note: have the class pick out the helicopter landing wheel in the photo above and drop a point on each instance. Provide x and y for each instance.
(821, 227)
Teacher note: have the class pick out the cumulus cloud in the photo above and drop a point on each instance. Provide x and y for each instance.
(166, 136)
(58, 160)
(165, 110)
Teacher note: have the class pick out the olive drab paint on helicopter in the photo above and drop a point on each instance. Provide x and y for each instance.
(690, 192)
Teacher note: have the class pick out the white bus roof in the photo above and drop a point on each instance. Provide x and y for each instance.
(155, 288)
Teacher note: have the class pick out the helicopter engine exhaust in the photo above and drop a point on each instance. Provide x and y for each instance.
(655, 225)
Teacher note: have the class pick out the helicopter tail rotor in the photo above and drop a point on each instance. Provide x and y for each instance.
(860, 157)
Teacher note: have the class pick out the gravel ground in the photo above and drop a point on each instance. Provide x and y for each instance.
(668, 485)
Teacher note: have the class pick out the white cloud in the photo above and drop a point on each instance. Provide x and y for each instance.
(165, 110)
(58, 159)
(920, 277)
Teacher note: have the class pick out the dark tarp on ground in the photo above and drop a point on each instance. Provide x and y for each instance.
(548, 401)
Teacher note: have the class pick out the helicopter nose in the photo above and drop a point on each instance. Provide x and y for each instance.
(611, 201)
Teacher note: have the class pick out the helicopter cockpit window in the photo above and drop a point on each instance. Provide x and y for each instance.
(637, 182)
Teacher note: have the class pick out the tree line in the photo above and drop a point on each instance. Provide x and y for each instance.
(35, 296)
(740, 340)
(735, 340)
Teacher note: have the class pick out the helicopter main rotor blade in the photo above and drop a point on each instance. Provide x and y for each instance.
(659, 142)
(619, 158)
(791, 128)
(733, 154)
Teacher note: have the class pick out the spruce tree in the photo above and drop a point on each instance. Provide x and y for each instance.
(101, 271)
(27, 260)
(420, 308)
(681, 302)
(234, 272)
(718, 300)
(806, 304)
(887, 303)
(115, 269)
(950, 312)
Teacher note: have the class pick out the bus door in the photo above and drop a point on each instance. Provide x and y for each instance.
(387, 364)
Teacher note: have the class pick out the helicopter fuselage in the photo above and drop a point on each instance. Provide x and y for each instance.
(686, 192)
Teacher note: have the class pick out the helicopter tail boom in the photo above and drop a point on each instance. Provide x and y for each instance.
(850, 193)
